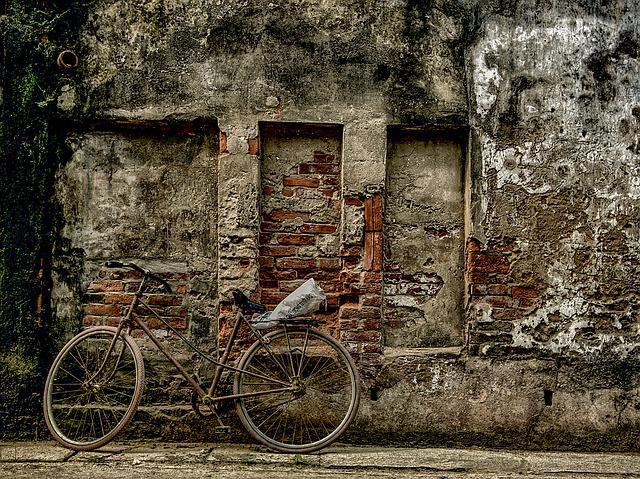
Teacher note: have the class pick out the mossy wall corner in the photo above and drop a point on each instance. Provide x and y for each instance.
(31, 34)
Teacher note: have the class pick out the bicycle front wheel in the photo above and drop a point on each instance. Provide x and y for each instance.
(304, 390)
(90, 397)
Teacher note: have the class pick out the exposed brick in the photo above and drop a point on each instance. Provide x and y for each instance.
(363, 288)
(352, 201)
(115, 298)
(477, 289)
(163, 299)
(524, 292)
(333, 299)
(296, 239)
(348, 323)
(373, 251)
(288, 192)
(317, 274)
(527, 303)
(92, 320)
(498, 300)
(362, 336)
(272, 297)
(331, 180)
(179, 276)
(178, 323)
(320, 228)
(266, 262)
(473, 245)
(131, 286)
(285, 275)
(102, 309)
(112, 320)
(106, 285)
(352, 251)
(372, 324)
(477, 278)
(329, 263)
(278, 250)
(181, 289)
(267, 190)
(266, 274)
(372, 348)
(223, 143)
(268, 226)
(498, 289)
(373, 213)
(362, 313)
(154, 323)
(295, 263)
(226, 308)
(328, 192)
(301, 181)
(352, 300)
(372, 277)
(371, 300)
(253, 146)
(351, 262)
(486, 263)
(265, 238)
(350, 276)
(289, 286)
(330, 286)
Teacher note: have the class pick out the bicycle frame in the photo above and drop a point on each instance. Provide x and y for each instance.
(131, 318)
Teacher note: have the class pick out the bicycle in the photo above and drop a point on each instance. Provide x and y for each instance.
(296, 388)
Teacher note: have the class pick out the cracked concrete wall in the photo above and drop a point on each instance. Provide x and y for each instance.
(555, 115)
(550, 94)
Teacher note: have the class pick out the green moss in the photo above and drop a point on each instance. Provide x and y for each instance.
(32, 34)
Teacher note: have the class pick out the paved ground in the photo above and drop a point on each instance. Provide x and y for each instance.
(173, 461)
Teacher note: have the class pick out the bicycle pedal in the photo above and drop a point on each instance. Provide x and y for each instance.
(223, 429)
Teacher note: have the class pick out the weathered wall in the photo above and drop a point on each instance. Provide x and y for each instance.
(549, 92)
(556, 200)
(424, 240)
(300, 207)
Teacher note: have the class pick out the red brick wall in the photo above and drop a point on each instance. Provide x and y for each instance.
(301, 205)
(108, 298)
(361, 277)
(491, 286)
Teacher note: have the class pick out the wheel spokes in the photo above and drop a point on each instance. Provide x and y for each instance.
(322, 394)
(86, 403)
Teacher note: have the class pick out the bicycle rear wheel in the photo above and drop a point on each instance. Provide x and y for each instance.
(89, 397)
(307, 390)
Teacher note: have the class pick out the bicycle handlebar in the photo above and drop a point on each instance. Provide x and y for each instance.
(139, 269)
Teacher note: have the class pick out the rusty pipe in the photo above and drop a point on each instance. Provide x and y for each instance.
(67, 60)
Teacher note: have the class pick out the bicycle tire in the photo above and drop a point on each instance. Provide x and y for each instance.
(84, 412)
(324, 395)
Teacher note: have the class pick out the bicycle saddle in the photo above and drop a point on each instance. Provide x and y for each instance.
(246, 304)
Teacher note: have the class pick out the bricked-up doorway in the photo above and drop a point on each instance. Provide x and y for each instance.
(301, 210)
(423, 273)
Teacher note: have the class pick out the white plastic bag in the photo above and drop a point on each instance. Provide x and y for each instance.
(303, 301)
